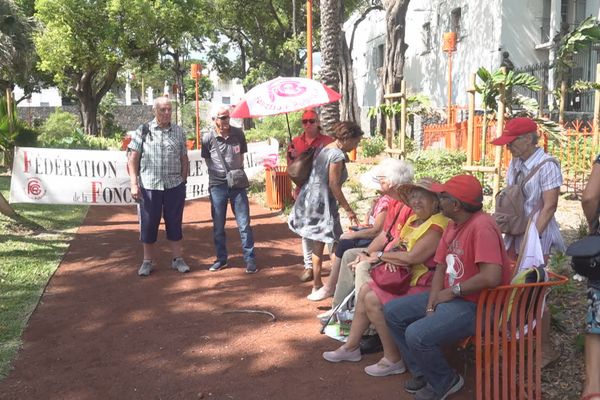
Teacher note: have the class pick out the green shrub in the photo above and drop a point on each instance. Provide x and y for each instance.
(439, 164)
(79, 140)
(61, 131)
(276, 127)
(372, 146)
(107, 124)
(59, 125)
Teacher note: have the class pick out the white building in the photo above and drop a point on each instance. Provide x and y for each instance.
(45, 98)
(484, 28)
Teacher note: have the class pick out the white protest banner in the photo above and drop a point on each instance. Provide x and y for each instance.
(98, 177)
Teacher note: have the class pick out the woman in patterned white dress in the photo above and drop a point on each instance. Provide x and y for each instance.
(315, 213)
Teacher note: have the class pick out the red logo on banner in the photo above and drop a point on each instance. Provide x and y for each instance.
(35, 190)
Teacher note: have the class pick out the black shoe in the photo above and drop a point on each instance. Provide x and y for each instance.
(370, 344)
(414, 384)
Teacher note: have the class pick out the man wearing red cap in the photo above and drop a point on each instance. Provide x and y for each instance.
(470, 257)
(540, 191)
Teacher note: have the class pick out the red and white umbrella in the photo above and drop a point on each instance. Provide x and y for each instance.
(284, 95)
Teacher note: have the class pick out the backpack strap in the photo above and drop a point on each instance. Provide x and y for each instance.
(540, 204)
(218, 150)
(145, 132)
(536, 168)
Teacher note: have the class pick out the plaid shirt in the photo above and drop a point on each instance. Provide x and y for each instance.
(162, 150)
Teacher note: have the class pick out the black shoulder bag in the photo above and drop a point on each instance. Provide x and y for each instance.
(585, 255)
(236, 178)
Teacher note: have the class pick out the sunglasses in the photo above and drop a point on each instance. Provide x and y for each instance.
(223, 117)
(309, 121)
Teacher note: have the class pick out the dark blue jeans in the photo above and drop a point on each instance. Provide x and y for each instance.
(220, 196)
(420, 338)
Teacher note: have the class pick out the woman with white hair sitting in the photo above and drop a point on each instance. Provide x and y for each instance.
(389, 174)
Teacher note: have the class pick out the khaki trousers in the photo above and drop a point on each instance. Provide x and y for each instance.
(348, 279)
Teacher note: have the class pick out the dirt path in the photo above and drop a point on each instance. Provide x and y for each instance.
(101, 332)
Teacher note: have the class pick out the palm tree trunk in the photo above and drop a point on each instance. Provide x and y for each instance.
(330, 56)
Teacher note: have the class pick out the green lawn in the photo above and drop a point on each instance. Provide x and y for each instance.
(27, 261)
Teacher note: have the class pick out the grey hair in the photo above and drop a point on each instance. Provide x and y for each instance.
(218, 109)
(397, 172)
(534, 138)
(160, 100)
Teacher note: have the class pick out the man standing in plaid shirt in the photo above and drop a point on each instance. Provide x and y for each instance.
(159, 159)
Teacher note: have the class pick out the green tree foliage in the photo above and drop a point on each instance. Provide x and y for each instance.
(16, 45)
(276, 127)
(85, 43)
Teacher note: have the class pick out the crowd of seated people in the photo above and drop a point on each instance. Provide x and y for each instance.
(442, 250)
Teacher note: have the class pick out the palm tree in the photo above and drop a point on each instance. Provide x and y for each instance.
(331, 29)
(16, 49)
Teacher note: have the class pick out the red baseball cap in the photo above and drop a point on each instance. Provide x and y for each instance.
(515, 128)
(465, 188)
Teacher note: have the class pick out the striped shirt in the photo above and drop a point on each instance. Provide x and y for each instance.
(548, 177)
(161, 152)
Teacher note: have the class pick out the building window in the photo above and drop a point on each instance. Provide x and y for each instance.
(378, 56)
(455, 16)
(426, 37)
(226, 100)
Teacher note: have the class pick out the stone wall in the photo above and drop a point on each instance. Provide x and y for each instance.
(127, 117)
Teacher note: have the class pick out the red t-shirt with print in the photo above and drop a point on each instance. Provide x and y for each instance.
(462, 247)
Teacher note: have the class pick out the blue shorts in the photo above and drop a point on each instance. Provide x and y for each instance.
(155, 204)
(593, 313)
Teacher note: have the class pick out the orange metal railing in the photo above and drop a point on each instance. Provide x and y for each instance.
(575, 153)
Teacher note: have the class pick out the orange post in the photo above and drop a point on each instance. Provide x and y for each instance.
(309, 60)
(449, 46)
(195, 73)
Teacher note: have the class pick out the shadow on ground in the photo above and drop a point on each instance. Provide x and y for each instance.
(102, 332)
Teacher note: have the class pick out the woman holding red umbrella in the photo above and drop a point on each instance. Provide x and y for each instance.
(311, 136)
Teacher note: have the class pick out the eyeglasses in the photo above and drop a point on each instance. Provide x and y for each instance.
(223, 117)
(309, 121)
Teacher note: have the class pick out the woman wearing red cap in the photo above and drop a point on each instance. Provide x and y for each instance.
(541, 189)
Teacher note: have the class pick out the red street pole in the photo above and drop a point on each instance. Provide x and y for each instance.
(195, 72)
(449, 46)
(309, 60)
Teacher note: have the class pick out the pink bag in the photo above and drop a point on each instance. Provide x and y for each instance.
(397, 282)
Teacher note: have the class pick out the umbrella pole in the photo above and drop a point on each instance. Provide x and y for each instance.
(288, 125)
